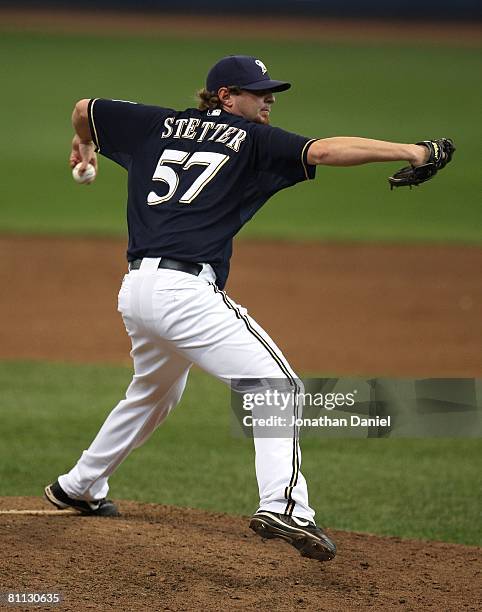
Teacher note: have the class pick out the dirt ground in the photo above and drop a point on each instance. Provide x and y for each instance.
(164, 558)
(344, 309)
(272, 27)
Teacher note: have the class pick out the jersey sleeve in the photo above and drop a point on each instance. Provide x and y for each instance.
(119, 127)
(282, 155)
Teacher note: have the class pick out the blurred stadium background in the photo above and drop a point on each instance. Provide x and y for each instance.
(431, 9)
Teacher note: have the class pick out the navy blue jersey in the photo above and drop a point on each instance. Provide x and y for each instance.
(194, 177)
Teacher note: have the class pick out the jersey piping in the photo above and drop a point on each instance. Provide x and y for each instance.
(304, 157)
(93, 129)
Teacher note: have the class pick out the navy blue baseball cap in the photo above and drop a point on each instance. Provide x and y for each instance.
(242, 71)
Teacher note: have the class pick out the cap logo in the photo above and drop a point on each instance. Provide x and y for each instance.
(259, 63)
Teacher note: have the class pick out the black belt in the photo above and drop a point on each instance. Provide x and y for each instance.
(171, 264)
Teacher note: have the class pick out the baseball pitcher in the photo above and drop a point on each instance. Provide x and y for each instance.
(195, 177)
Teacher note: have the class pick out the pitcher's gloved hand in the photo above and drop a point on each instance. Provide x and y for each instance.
(440, 153)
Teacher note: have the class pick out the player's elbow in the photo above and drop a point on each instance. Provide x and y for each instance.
(317, 153)
(80, 119)
(81, 110)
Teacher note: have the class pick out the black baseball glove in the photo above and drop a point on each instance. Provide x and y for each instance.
(441, 152)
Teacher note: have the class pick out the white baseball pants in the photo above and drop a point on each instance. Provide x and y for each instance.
(175, 319)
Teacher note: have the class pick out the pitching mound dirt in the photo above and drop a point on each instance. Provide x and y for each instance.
(166, 558)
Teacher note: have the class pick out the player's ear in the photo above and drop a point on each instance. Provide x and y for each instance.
(225, 96)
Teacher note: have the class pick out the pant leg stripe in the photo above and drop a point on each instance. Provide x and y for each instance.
(280, 363)
(295, 454)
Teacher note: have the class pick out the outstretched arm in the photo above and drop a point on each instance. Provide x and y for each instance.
(353, 151)
(83, 149)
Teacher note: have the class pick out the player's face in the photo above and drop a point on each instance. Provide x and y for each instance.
(253, 105)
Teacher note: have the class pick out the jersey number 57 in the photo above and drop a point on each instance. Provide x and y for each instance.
(165, 174)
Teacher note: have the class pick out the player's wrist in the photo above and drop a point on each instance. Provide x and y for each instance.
(420, 155)
(82, 140)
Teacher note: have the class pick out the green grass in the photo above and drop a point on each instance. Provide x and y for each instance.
(49, 413)
(402, 93)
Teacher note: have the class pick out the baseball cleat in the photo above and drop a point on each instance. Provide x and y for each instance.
(304, 535)
(59, 498)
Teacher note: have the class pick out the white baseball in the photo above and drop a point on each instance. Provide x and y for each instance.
(87, 177)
